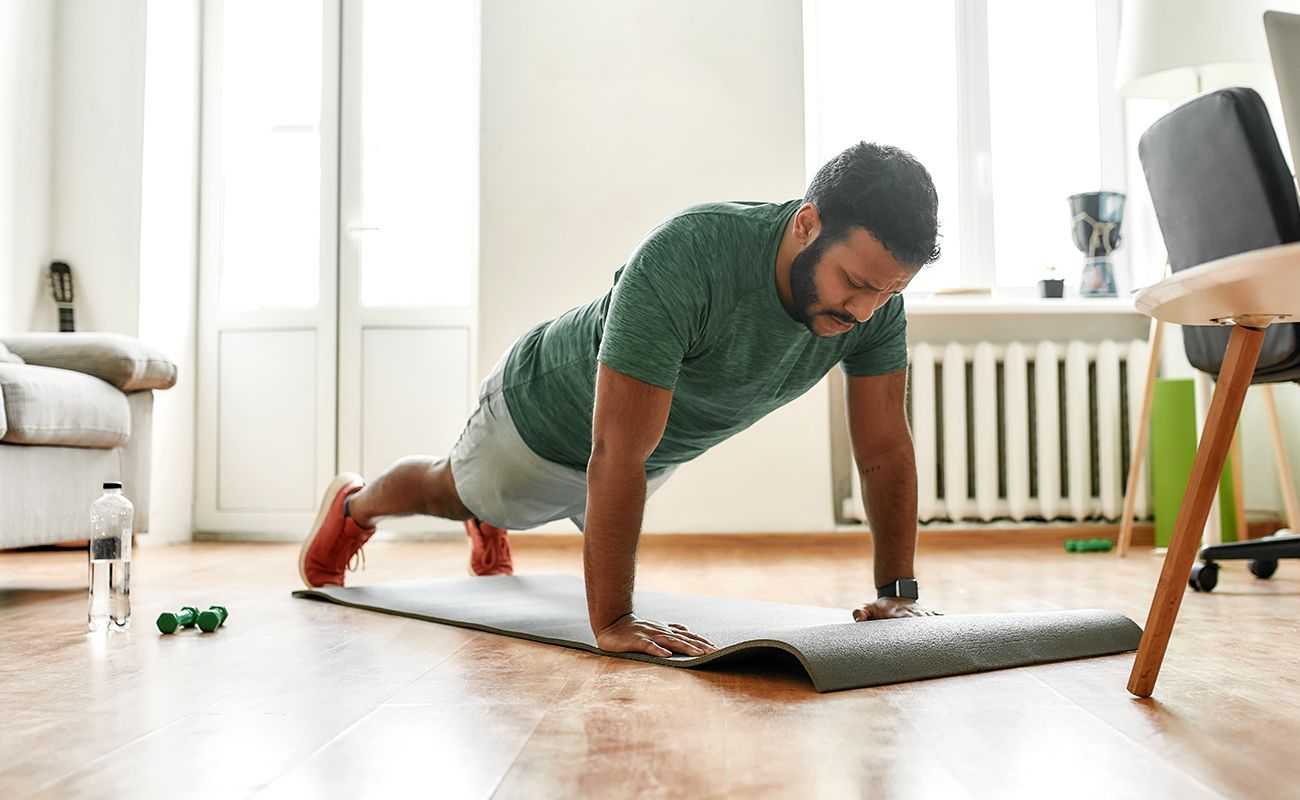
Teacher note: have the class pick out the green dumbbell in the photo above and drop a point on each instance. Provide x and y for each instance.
(213, 618)
(185, 618)
(1088, 545)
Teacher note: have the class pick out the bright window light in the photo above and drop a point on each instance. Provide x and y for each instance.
(419, 153)
(999, 99)
(886, 72)
(1045, 129)
(271, 64)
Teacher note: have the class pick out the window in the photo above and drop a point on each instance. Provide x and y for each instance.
(419, 142)
(1005, 103)
(853, 83)
(271, 156)
(415, 127)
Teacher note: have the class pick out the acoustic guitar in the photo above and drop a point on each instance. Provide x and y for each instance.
(61, 287)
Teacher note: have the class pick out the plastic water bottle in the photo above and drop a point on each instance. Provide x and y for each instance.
(110, 560)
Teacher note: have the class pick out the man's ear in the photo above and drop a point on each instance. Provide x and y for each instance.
(807, 224)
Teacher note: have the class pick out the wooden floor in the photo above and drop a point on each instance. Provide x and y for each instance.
(302, 699)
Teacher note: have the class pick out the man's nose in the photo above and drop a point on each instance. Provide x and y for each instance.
(861, 307)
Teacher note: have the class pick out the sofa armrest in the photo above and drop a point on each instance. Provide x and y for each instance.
(122, 361)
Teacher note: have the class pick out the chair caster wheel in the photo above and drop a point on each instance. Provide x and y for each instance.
(1263, 568)
(1204, 577)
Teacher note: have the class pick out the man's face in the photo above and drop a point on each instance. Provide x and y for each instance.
(836, 286)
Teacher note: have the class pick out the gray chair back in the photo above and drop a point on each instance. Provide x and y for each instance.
(1220, 186)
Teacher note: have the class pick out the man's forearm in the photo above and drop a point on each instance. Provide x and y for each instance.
(615, 505)
(889, 493)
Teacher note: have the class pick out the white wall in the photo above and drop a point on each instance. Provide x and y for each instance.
(98, 122)
(26, 69)
(599, 119)
(92, 175)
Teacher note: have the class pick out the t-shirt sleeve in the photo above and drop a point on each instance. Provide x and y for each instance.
(657, 307)
(883, 347)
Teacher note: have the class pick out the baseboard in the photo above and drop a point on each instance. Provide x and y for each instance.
(946, 534)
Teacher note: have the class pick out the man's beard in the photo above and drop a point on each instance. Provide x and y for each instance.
(803, 286)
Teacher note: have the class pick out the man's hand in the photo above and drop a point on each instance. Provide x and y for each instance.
(892, 608)
(630, 634)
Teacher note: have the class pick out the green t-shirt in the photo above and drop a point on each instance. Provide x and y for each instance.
(694, 310)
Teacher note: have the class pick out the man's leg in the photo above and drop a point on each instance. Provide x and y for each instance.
(350, 508)
(412, 485)
(424, 485)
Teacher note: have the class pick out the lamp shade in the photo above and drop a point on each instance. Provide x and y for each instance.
(1175, 48)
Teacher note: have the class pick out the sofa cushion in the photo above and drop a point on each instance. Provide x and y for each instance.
(49, 406)
(7, 357)
(127, 363)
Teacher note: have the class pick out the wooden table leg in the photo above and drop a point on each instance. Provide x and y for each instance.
(1225, 408)
(1139, 434)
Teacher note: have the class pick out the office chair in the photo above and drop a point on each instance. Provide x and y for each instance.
(1220, 187)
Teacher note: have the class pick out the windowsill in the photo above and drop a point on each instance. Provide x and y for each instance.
(1014, 303)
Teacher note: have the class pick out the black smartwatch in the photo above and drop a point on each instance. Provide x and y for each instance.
(903, 587)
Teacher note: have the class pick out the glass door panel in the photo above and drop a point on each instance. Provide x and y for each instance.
(270, 197)
(418, 232)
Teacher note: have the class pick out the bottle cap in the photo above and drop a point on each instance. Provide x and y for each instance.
(112, 484)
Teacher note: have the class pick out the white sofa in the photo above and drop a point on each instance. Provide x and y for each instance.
(76, 410)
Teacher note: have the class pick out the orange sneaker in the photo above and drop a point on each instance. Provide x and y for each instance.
(489, 549)
(334, 540)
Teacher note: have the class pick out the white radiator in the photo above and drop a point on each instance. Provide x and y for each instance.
(1023, 430)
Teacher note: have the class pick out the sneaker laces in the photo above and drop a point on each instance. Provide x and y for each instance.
(353, 538)
(497, 549)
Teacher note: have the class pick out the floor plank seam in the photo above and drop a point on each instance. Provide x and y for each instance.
(312, 754)
(600, 669)
(1140, 744)
(473, 637)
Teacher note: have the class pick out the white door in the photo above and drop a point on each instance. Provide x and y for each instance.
(409, 245)
(267, 265)
(339, 242)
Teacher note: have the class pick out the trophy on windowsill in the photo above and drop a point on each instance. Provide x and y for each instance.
(1096, 220)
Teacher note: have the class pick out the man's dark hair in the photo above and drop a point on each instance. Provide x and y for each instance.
(885, 190)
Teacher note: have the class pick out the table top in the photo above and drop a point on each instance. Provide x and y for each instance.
(1252, 288)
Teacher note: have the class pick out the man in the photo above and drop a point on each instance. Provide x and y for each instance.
(724, 312)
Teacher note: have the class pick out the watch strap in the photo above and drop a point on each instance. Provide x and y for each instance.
(902, 587)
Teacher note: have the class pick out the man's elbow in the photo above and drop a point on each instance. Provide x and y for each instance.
(889, 445)
(612, 455)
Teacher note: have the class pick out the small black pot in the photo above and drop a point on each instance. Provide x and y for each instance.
(1052, 287)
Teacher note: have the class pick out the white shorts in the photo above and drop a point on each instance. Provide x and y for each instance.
(504, 483)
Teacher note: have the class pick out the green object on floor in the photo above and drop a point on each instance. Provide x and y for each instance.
(1173, 448)
(185, 618)
(835, 652)
(212, 619)
(1088, 545)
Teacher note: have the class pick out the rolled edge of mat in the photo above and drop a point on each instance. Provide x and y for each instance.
(960, 645)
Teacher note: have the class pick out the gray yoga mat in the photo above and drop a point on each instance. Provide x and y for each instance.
(837, 654)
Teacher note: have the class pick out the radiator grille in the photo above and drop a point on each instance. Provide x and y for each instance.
(1025, 430)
